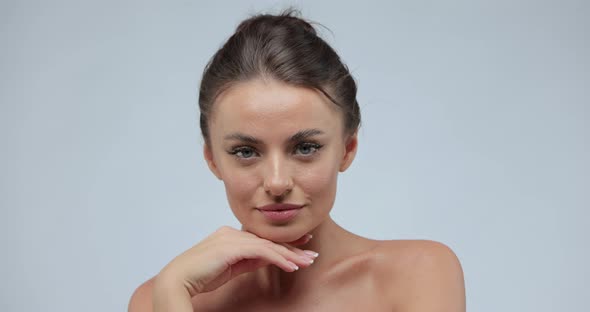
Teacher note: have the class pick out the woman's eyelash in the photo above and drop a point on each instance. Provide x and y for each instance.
(316, 146)
(242, 149)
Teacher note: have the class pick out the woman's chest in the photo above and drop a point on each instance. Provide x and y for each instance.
(361, 295)
(359, 284)
(343, 300)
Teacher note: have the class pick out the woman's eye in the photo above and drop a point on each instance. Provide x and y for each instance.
(303, 149)
(243, 152)
(308, 148)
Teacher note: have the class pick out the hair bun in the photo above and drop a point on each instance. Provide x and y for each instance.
(289, 17)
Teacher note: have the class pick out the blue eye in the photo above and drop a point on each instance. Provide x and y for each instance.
(308, 148)
(246, 152)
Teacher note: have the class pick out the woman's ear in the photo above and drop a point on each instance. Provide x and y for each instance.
(208, 153)
(349, 151)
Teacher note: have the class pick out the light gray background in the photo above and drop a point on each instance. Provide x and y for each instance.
(475, 134)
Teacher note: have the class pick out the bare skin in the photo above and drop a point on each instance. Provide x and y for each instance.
(351, 274)
(393, 275)
(249, 269)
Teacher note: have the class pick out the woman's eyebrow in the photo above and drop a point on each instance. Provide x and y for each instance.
(303, 134)
(237, 136)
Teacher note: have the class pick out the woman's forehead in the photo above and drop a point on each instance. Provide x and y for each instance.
(262, 106)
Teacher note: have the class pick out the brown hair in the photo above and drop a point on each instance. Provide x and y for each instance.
(282, 47)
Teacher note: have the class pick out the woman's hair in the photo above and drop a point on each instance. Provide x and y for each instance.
(283, 47)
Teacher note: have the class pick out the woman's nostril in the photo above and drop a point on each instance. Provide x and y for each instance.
(278, 188)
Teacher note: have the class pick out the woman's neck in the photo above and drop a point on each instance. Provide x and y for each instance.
(333, 243)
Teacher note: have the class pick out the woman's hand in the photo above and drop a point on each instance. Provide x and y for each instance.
(223, 255)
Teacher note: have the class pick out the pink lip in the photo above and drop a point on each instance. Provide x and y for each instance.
(280, 207)
(280, 212)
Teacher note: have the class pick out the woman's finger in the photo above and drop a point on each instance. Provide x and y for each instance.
(292, 254)
(301, 241)
(270, 255)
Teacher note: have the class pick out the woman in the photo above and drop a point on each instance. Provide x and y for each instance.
(279, 118)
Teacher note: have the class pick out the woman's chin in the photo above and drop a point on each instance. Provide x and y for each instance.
(276, 234)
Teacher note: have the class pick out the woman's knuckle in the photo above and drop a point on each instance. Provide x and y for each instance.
(267, 243)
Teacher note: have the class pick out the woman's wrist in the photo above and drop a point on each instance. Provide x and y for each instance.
(170, 294)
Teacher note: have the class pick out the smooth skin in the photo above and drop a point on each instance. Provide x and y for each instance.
(273, 266)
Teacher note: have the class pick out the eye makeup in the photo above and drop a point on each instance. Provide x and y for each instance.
(240, 150)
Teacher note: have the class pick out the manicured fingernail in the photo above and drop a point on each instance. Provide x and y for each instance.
(294, 266)
(311, 253)
(306, 259)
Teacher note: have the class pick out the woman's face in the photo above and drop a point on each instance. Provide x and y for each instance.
(276, 143)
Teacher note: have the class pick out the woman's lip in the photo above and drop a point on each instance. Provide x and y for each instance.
(280, 215)
(279, 207)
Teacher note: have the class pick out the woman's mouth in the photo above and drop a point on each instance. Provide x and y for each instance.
(280, 212)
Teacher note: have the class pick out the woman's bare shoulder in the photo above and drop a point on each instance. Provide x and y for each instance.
(421, 275)
(418, 249)
(414, 256)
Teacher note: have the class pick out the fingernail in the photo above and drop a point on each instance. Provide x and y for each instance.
(311, 253)
(309, 236)
(294, 266)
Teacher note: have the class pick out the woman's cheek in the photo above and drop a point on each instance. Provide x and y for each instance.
(319, 182)
(239, 187)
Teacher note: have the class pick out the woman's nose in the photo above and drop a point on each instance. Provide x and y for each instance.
(277, 180)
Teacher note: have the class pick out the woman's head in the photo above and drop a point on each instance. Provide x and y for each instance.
(281, 47)
(279, 118)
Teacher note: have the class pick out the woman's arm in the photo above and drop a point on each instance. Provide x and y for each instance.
(160, 296)
(141, 300)
(211, 263)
